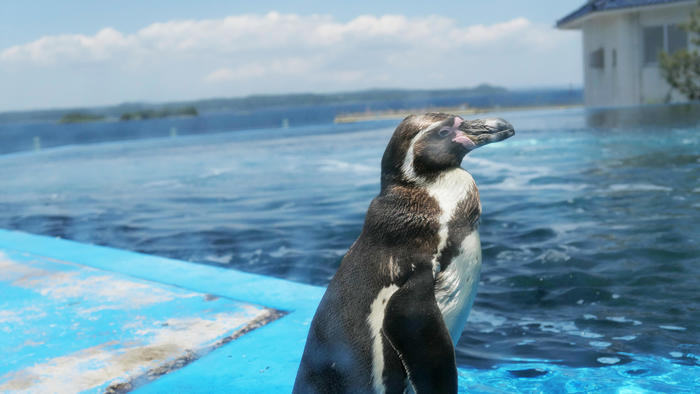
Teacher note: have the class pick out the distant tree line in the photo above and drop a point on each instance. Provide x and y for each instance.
(479, 96)
(162, 113)
(78, 117)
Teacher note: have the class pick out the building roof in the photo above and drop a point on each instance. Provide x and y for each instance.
(595, 6)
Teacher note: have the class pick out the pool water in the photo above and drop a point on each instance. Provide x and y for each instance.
(589, 228)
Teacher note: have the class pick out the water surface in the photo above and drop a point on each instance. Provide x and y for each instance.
(589, 229)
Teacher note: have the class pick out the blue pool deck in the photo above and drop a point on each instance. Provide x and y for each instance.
(86, 318)
(77, 317)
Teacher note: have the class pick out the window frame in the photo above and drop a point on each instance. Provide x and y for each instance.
(664, 42)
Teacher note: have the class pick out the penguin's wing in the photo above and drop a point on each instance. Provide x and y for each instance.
(414, 325)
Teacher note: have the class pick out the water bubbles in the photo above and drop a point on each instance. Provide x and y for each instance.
(553, 256)
(485, 322)
(219, 259)
(625, 338)
(622, 319)
(638, 187)
(589, 334)
(518, 255)
(608, 360)
(672, 328)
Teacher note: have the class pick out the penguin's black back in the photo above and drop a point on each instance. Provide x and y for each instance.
(400, 225)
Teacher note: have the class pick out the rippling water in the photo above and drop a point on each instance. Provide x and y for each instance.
(589, 229)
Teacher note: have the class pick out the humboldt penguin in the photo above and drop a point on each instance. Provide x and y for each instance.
(390, 317)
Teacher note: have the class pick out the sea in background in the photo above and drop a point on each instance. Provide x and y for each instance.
(27, 130)
(589, 229)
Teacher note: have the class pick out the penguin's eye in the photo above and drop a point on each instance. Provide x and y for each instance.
(444, 132)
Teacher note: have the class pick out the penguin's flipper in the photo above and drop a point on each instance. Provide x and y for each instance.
(414, 325)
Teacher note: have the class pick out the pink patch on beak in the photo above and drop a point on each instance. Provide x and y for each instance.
(458, 121)
(462, 138)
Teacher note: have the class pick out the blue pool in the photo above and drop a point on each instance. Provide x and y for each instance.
(589, 227)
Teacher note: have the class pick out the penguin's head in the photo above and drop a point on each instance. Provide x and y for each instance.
(423, 146)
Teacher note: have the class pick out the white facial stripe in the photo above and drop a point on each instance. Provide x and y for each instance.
(376, 321)
(407, 166)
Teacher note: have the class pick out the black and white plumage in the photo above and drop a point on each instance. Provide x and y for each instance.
(402, 294)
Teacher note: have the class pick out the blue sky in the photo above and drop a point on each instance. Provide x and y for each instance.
(84, 53)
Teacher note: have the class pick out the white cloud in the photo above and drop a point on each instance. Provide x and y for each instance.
(228, 74)
(52, 49)
(243, 54)
(286, 66)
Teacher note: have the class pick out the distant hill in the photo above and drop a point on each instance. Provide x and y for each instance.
(480, 96)
(363, 96)
(77, 117)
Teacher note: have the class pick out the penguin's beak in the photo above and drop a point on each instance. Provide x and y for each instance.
(479, 132)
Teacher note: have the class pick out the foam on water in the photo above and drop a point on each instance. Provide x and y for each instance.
(634, 187)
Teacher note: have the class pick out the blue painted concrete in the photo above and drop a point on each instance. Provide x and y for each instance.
(76, 327)
(265, 360)
(262, 290)
(273, 353)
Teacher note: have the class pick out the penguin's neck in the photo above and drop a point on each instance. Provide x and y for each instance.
(450, 186)
(402, 177)
(454, 201)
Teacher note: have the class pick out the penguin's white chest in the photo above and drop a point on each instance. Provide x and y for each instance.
(455, 287)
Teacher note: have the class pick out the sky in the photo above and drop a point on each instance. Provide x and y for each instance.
(81, 53)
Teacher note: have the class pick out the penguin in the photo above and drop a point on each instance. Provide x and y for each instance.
(392, 313)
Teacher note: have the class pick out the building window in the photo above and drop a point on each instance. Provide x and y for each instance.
(597, 58)
(653, 43)
(669, 38)
(614, 58)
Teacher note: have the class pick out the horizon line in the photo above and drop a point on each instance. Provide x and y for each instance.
(194, 100)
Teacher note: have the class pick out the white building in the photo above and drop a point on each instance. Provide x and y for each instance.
(621, 43)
